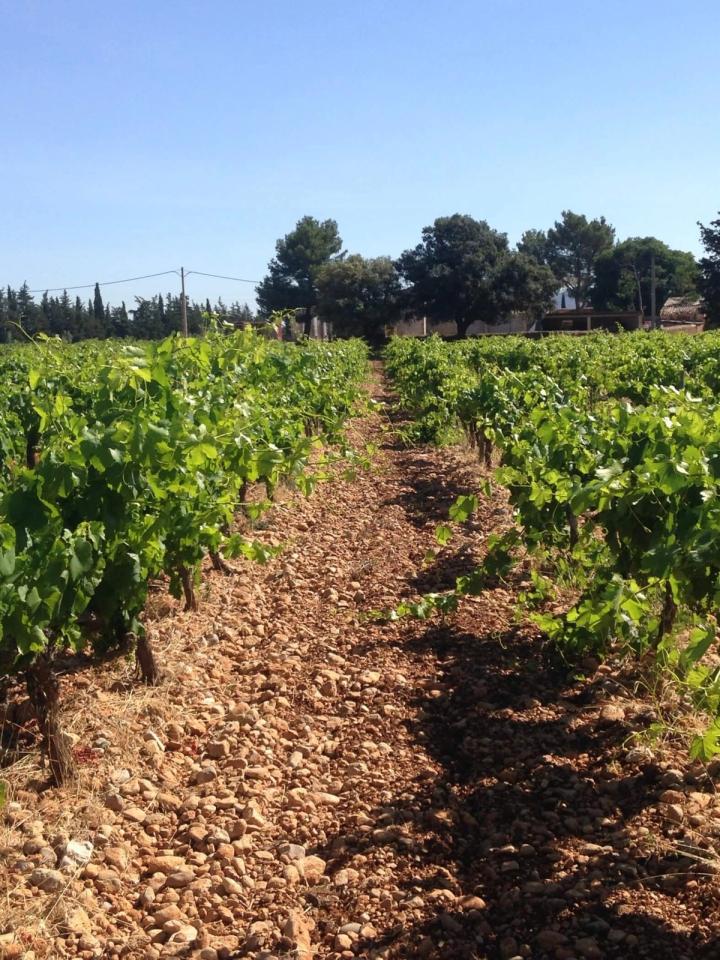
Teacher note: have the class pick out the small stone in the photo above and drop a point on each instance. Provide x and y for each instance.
(186, 934)
(471, 903)
(33, 846)
(78, 922)
(508, 948)
(311, 868)
(147, 897)
(296, 929)
(550, 939)
(166, 863)
(135, 815)
(673, 812)
(672, 796)
(180, 878)
(293, 851)
(611, 714)
(168, 801)
(206, 775)
(441, 895)
(170, 912)
(252, 815)
(587, 947)
(89, 944)
(49, 881)
(217, 749)
(231, 886)
(117, 857)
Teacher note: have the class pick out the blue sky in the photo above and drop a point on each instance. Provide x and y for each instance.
(146, 134)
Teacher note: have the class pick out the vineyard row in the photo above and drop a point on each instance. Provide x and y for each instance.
(122, 464)
(609, 448)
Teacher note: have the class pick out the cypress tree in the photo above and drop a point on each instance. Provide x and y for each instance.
(98, 307)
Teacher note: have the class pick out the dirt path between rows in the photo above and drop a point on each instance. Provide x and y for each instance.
(310, 783)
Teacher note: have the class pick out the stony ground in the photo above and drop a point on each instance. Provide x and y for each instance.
(308, 782)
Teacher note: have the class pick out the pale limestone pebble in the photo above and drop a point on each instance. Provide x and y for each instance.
(346, 876)
(293, 851)
(76, 854)
(252, 815)
(231, 886)
(78, 922)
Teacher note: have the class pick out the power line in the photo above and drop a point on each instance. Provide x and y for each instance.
(145, 276)
(220, 276)
(105, 283)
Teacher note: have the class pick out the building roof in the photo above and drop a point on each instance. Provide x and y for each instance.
(682, 310)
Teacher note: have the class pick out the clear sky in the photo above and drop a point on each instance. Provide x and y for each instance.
(145, 134)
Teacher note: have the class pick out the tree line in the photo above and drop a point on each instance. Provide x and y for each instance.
(464, 271)
(77, 319)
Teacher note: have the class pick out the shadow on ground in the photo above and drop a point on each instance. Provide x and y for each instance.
(524, 798)
(530, 812)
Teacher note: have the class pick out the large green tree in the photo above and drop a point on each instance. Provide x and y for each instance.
(463, 270)
(571, 249)
(709, 281)
(623, 275)
(291, 281)
(534, 244)
(359, 296)
(525, 285)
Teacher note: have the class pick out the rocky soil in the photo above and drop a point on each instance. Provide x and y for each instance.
(310, 783)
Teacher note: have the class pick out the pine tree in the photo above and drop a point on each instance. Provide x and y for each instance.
(77, 325)
(30, 316)
(66, 321)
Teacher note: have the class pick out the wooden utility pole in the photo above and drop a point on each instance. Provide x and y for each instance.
(183, 304)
